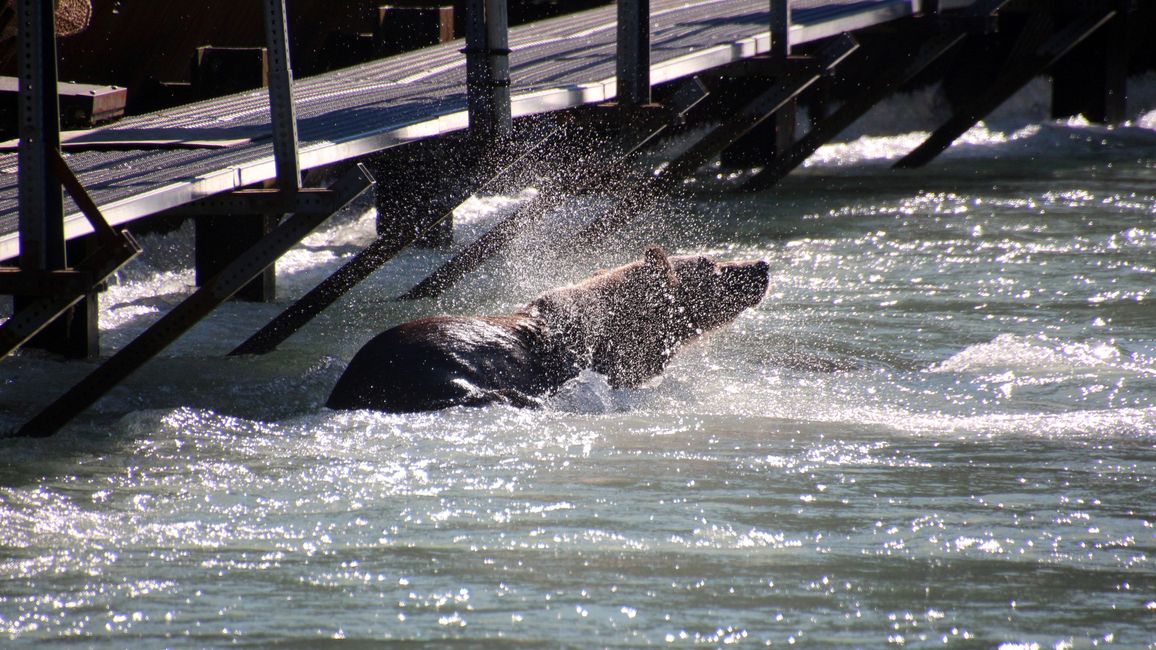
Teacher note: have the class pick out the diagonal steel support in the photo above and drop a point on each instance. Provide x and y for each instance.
(858, 103)
(89, 273)
(668, 177)
(194, 308)
(603, 162)
(363, 264)
(1026, 63)
(60, 289)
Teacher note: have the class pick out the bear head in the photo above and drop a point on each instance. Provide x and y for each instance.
(711, 294)
(628, 322)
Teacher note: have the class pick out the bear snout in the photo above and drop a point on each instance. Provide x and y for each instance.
(751, 279)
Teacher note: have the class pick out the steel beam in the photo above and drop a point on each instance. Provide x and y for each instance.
(314, 200)
(16, 281)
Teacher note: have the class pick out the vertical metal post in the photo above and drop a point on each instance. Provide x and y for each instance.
(281, 108)
(41, 198)
(633, 72)
(1092, 79)
(488, 69)
(780, 28)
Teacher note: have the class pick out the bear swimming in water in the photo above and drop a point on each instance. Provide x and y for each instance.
(625, 323)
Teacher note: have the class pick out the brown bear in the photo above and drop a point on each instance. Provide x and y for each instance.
(625, 323)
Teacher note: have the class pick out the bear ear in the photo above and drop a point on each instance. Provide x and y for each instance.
(657, 261)
(656, 257)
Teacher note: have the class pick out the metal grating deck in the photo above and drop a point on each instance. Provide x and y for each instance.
(555, 64)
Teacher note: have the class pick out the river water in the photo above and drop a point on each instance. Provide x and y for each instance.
(939, 429)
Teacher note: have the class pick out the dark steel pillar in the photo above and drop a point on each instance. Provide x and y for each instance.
(780, 28)
(221, 239)
(281, 109)
(776, 134)
(1092, 79)
(41, 220)
(633, 71)
(488, 70)
(41, 197)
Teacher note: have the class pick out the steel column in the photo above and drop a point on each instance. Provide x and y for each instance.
(1092, 79)
(780, 28)
(221, 237)
(488, 69)
(41, 215)
(633, 63)
(41, 198)
(281, 109)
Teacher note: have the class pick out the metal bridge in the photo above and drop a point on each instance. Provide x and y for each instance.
(243, 155)
(156, 162)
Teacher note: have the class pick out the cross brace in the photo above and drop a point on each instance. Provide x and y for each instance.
(194, 308)
(1030, 58)
(603, 162)
(948, 32)
(64, 289)
(858, 103)
(670, 176)
(361, 266)
(61, 289)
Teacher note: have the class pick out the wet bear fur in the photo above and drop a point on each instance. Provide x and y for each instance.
(625, 323)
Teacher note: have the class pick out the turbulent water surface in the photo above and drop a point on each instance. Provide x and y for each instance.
(939, 429)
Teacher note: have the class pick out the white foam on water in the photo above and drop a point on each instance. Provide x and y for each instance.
(1038, 353)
